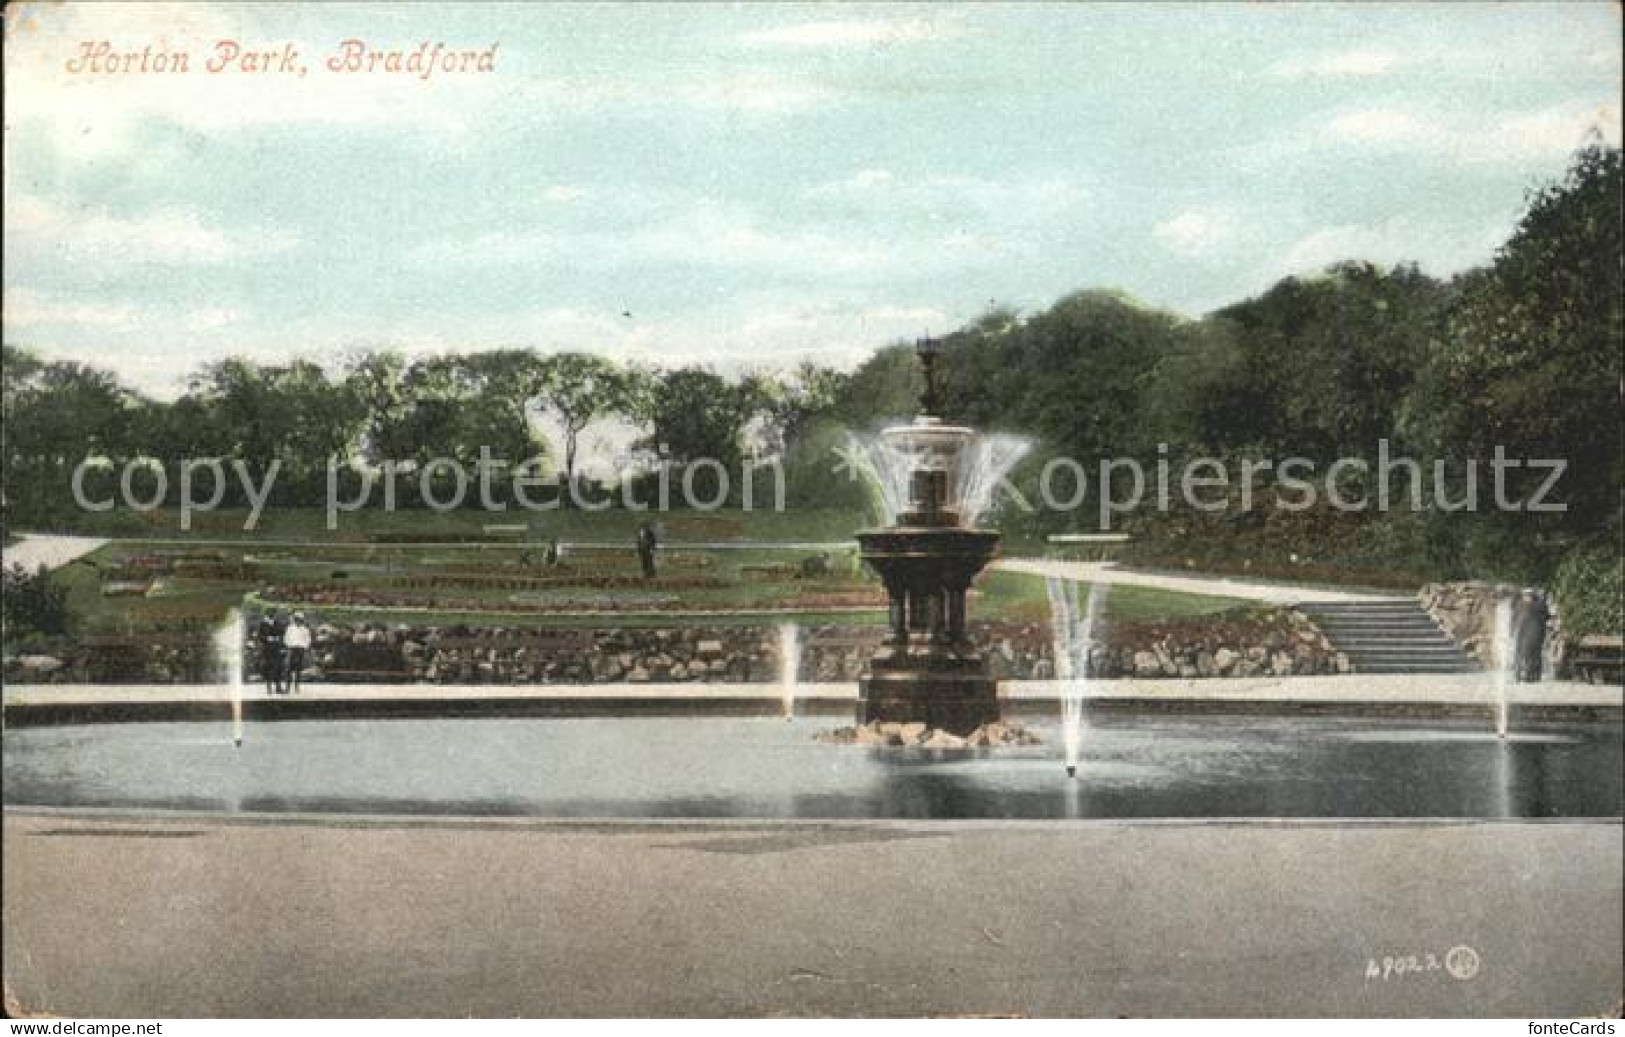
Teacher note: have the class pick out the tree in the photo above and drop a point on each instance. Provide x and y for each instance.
(884, 388)
(1530, 357)
(696, 413)
(808, 395)
(292, 414)
(55, 415)
(375, 380)
(576, 388)
(452, 412)
(1326, 362)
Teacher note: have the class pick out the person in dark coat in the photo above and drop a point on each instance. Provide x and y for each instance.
(647, 542)
(1529, 635)
(270, 634)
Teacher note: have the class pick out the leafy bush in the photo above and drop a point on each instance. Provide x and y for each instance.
(33, 603)
(1589, 586)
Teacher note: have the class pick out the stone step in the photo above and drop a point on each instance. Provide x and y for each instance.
(1394, 636)
(1371, 617)
(1411, 667)
(1379, 630)
(1434, 644)
(1364, 633)
(1440, 655)
(1359, 609)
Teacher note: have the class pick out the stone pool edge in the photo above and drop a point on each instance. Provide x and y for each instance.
(1398, 696)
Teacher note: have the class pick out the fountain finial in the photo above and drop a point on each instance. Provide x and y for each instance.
(928, 350)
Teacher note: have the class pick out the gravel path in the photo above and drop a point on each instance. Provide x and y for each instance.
(1108, 572)
(33, 550)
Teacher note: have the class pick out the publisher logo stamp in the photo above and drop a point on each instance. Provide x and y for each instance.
(1462, 962)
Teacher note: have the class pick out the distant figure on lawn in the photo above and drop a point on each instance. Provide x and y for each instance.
(647, 542)
(270, 635)
(297, 642)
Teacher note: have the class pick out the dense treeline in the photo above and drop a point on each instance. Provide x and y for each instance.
(378, 406)
(1523, 354)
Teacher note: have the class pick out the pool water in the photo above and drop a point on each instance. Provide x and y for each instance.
(1132, 767)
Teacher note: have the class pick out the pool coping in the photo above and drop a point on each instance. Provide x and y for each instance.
(514, 822)
(1399, 695)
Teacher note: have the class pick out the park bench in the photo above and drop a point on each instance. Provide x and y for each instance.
(1598, 658)
(375, 663)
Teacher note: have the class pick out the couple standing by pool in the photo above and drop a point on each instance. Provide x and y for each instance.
(284, 650)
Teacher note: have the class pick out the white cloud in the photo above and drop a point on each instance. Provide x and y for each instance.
(1343, 65)
(1519, 137)
(1440, 249)
(853, 34)
(46, 318)
(773, 331)
(761, 93)
(1196, 233)
(168, 236)
(714, 235)
(1020, 200)
(24, 308)
(1381, 126)
(211, 318)
(1553, 131)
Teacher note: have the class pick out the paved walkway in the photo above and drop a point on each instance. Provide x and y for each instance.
(126, 915)
(1111, 573)
(1352, 693)
(33, 550)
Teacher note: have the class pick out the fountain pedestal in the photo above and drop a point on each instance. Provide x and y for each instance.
(927, 670)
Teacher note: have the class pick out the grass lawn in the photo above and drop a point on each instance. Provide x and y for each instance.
(1023, 596)
(614, 524)
(752, 580)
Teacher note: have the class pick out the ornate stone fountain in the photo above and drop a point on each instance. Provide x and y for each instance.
(927, 670)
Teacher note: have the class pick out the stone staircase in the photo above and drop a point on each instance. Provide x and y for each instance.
(1389, 636)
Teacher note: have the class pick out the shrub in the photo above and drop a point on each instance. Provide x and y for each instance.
(33, 603)
(1590, 582)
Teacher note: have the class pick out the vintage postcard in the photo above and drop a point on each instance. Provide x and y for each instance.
(776, 510)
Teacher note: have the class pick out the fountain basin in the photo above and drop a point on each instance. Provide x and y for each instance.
(702, 767)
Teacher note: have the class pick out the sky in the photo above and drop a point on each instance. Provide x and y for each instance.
(750, 186)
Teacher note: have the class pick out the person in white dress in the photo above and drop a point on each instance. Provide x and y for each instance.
(297, 644)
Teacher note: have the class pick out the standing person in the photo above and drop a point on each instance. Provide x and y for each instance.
(297, 642)
(268, 634)
(1531, 618)
(280, 642)
(647, 540)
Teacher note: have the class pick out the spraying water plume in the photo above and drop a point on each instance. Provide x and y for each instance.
(1073, 631)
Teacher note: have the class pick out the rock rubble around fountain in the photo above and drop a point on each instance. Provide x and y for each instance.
(918, 735)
